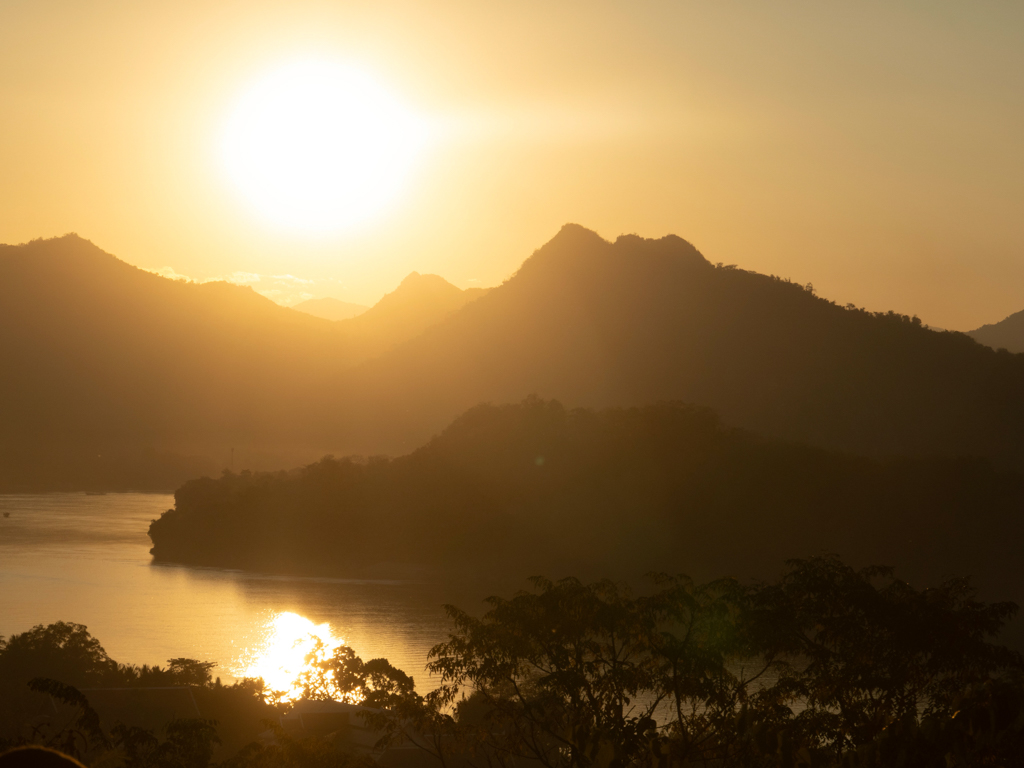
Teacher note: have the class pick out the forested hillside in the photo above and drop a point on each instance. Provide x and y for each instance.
(636, 321)
(538, 488)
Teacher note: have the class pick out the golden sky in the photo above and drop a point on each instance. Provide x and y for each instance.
(875, 149)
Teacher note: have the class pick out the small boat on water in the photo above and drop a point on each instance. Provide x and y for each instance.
(95, 493)
(7, 514)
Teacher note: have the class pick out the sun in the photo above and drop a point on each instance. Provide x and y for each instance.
(317, 146)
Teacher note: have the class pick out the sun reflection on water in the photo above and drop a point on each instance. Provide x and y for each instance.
(280, 657)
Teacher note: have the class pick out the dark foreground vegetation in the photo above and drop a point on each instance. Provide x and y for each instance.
(827, 666)
(536, 487)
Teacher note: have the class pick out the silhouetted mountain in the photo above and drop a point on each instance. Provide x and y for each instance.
(117, 378)
(106, 360)
(330, 309)
(1007, 334)
(636, 321)
(419, 302)
(540, 489)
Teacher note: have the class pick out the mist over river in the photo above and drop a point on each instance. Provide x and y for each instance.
(85, 559)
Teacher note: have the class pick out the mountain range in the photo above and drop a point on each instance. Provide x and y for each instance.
(119, 378)
(635, 321)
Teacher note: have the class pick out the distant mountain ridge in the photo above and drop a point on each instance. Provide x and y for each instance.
(419, 302)
(330, 309)
(118, 378)
(1007, 334)
(105, 360)
(595, 323)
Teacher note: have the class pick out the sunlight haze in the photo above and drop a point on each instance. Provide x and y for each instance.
(873, 150)
(281, 654)
(318, 148)
(453, 384)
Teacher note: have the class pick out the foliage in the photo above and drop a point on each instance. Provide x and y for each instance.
(188, 743)
(287, 751)
(875, 652)
(82, 734)
(61, 650)
(387, 695)
(827, 666)
(345, 677)
(587, 675)
(715, 670)
(63, 659)
(557, 677)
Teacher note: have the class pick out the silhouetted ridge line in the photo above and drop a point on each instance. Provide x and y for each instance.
(636, 321)
(107, 358)
(419, 302)
(121, 379)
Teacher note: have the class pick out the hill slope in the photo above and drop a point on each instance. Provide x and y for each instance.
(108, 359)
(1007, 334)
(536, 488)
(118, 378)
(419, 302)
(636, 321)
(107, 363)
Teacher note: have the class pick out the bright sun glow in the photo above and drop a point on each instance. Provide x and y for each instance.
(282, 658)
(317, 147)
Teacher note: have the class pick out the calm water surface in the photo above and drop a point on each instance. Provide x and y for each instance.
(85, 559)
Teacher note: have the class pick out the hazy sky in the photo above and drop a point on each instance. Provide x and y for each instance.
(874, 149)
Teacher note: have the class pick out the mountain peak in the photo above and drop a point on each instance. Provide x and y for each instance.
(68, 259)
(576, 250)
(57, 247)
(419, 302)
(416, 281)
(576, 234)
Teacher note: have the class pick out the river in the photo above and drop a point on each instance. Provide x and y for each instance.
(85, 559)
